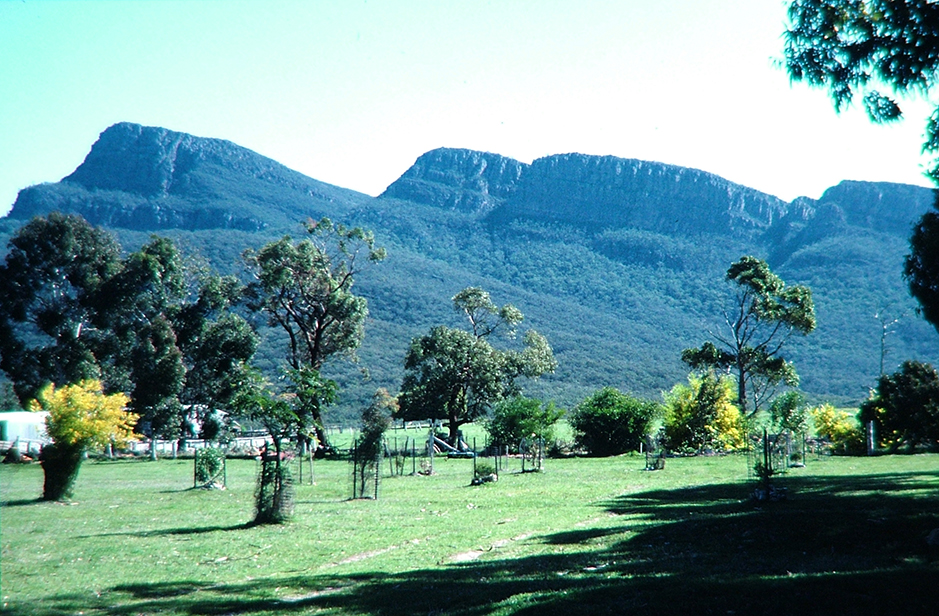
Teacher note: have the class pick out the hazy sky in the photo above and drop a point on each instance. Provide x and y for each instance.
(351, 92)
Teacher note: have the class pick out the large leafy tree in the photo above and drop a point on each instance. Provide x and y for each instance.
(72, 309)
(905, 407)
(879, 50)
(457, 375)
(761, 315)
(304, 288)
(49, 290)
(867, 48)
(215, 341)
(922, 266)
(136, 305)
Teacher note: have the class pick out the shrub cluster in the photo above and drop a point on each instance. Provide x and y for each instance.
(517, 418)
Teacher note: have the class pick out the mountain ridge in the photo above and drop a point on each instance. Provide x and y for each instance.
(151, 178)
(618, 261)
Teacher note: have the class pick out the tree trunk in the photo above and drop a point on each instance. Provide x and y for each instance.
(742, 390)
(323, 445)
(60, 465)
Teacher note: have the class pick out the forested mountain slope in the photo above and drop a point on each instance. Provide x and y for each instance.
(618, 262)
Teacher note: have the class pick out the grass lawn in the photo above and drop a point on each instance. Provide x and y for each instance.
(587, 536)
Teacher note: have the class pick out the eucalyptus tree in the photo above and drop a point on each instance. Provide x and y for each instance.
(761, 315)
(304, 288)
(457, 375)
(71, 309)
(49, 287)
(214, 339)
(136, 306)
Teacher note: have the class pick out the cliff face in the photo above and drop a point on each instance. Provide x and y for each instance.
(605, 192)
(149, 178)
(454, 179)
(615, 192)
(879, 206)
(152, 161)
(122, 210)
(597, 191)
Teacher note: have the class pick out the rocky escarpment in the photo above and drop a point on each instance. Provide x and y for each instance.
(150, 178)
(122, 210)
(152, 161)
(606, 191)
(596, 191)
(851, 207)
(456, 179)
(879, 206)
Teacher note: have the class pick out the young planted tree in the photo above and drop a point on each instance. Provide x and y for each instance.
(305, 289)
(762, 314)
(789, 413)
(457, 375)
(81, 416)
(283, 415)
(376, 419)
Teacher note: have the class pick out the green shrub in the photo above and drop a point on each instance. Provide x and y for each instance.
(519, 417)
(484, 469)
(610, 422)
(905, 407)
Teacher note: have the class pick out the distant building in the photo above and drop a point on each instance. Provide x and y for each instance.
(23, 425)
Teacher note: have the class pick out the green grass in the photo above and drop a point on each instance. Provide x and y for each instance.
(587, 536)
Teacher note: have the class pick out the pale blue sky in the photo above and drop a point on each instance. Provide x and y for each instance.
(351, 92)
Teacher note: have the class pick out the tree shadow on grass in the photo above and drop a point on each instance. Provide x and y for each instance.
(199, 530)
(837, 545)
(22, 502)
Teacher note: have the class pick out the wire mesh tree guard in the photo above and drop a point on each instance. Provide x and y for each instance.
(532, 451)
(366, 458)
(210, 468)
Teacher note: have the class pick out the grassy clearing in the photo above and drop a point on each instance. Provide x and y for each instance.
(586, 536)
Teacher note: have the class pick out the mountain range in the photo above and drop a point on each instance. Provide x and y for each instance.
(619, 262)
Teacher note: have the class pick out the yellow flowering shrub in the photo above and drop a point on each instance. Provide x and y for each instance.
(82, 415)
(839, 428)
(702, 415)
